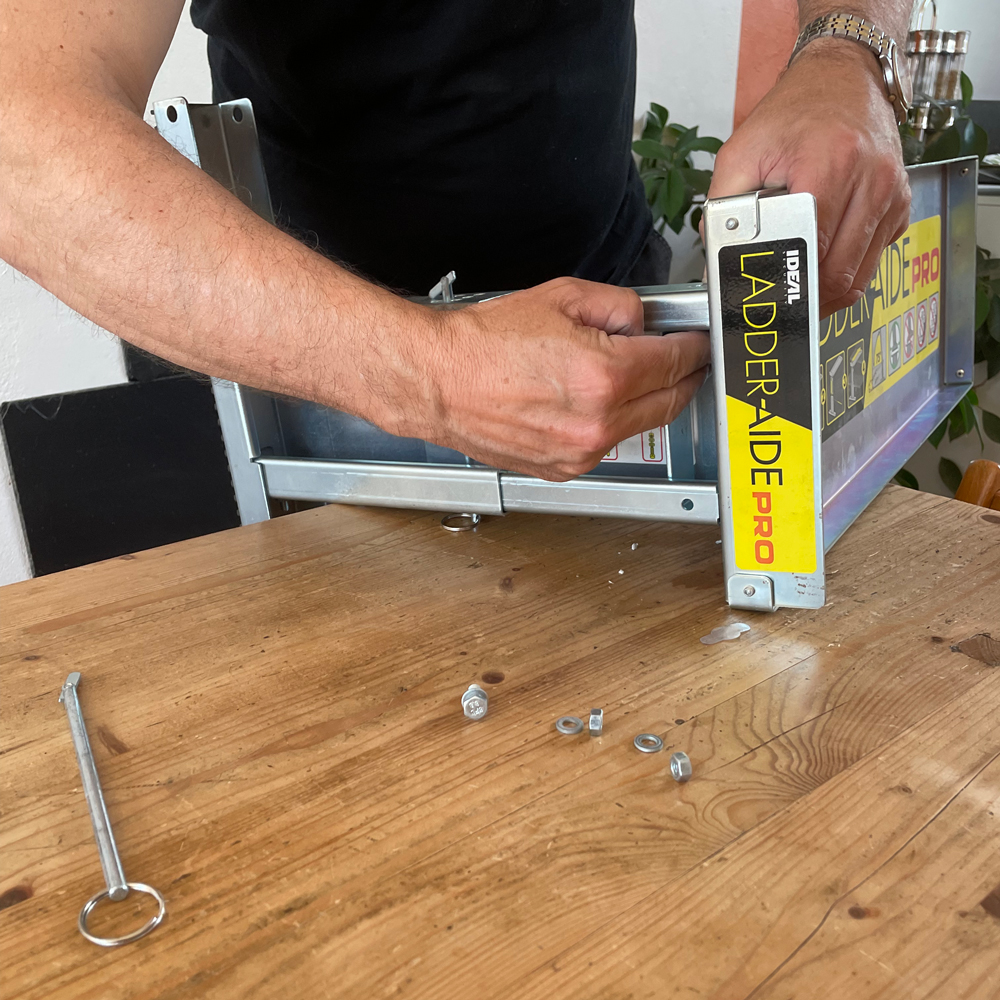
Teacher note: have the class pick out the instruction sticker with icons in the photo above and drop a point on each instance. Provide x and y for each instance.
(880, 351)
(836, 388)
(909, 335)
(647, 447)
(893, 328)
(895, 345)
(856, 367)
(921, 326)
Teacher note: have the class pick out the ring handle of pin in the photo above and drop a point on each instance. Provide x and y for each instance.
(114, 942)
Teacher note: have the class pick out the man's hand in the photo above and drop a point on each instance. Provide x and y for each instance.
(826, 127)
(547, 380)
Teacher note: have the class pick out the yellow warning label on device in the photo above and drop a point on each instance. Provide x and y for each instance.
(771, 479)
(893, 328)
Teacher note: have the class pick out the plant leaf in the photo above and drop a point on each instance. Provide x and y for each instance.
(956, 422)
(982, 307)
(652, 130)
(950, 474)
(906, 478)
(991, 353)
(696, 214)
(675, 197)
(991, 425)
(993, 319)
(704, 143)
(653, 172)
(967, 134)
(661, 112)
(699, 180)
(946, 146)
(938, 432)
(650, 150)
(966, 91)
(980, 141)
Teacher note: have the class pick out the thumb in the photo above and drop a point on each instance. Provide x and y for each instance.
(609, 308)
(735, 171)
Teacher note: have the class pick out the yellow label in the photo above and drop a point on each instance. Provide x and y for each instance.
(901, 316)
(771, 479)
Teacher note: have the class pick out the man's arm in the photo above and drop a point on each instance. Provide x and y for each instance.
(827, 127)
(102, 212)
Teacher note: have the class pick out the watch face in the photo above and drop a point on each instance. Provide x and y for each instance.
(901, 71)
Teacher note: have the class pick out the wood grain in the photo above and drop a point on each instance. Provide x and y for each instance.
(275, 715)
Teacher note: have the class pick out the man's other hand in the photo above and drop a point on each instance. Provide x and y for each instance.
(826, 127)
(547, 380)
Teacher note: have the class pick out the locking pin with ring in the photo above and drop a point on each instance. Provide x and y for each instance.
(648, 743)
(114, 875)
(475, 702)
(459, 522)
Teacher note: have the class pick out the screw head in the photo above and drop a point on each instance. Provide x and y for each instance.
(964, 171)
(960, 373)
(680, 766)
(749, 590)
(732, 224)
(475, 702)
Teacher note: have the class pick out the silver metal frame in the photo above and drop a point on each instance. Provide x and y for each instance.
(281, 450)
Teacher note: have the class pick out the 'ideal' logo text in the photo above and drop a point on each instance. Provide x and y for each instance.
(793, 287)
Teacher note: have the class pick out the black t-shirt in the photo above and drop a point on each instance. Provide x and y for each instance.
(410, 137)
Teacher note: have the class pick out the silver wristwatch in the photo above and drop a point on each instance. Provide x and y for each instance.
(895, 71)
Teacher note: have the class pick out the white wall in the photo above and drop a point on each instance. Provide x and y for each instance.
(45, 347)
(688, 54)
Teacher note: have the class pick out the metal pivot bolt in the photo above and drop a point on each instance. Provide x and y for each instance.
(475, 701)
(596, 724)
(960, 373)
(749, 590)
(732, 224)
(680, 766)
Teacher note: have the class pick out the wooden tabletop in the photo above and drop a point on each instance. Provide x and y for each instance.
(275, 713)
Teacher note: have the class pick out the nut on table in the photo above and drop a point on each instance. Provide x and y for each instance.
(680, 766)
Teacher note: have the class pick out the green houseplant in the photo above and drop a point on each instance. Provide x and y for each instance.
(668, 173)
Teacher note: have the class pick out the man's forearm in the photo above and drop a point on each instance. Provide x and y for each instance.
(102, 212)
(99, 210)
